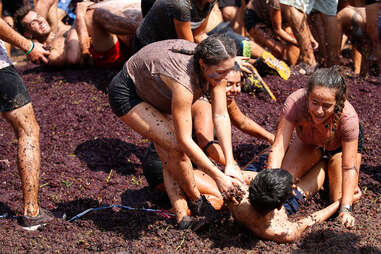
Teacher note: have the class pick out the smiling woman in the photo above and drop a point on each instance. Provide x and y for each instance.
(327, 128)
(154, 93)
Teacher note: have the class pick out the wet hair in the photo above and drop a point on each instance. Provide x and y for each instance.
(330, 78)
(19, 15)
(212, 51)
(270, 189)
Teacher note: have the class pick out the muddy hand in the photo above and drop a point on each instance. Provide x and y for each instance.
(244, 64)
(39, 54)
(235, 194)
(234, 171)
(347, 219)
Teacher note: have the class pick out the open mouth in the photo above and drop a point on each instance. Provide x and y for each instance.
(44, 27)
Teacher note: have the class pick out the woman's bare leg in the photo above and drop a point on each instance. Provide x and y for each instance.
(312, 182)
(176, 196)
(152, 124)
(300, 158)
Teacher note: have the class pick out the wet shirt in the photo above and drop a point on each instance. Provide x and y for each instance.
(146, 66)
(295, 110)
(262, 9)
(158, 24)
(4, 59)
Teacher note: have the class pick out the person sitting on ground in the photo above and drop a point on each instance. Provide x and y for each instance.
(327, 128)
(233, 11)
(195, 20)
(263, 21)
(17, 109)
(297, 18)
(203, 131)
(153, 94)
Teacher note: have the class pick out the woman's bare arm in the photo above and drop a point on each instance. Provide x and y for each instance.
(282, 140)
(246, 124)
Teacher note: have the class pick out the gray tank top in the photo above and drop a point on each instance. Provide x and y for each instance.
(155, 59)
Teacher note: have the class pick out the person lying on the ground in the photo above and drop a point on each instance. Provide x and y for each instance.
(17, 109)
(153, 94)
(62, 43)
(352, 23)
(203, 130)
(106, 30)
(212, 24)
(327, 128)
(91, 35)
(268, 197)
(263, 21)
(272, 196)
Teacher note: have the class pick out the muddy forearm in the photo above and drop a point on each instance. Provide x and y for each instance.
(9, 35)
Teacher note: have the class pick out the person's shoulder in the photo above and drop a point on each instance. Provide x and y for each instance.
(349, 111)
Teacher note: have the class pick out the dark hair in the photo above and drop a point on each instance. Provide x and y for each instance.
(330, 78)
(212, 50)
(19, 15)
(270, 189)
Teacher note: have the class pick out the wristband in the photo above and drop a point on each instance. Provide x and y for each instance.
(31, 48)
(205, 149)
(345, 209)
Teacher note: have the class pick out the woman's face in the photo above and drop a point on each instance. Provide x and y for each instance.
(218, 72)
(321, 103)
(233, 86)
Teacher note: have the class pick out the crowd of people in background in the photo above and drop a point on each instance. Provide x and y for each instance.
(181, 64)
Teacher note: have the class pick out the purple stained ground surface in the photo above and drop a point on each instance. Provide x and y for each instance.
(91, 159)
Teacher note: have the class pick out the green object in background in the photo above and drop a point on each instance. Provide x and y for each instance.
(246, 49)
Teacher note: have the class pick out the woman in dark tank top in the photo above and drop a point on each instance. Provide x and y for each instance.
(210, 62)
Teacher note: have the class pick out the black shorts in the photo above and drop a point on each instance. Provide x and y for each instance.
(251, 19)
(330, 154)
(225, 28)
(225, 3)
(13, 92)
(122, 94)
